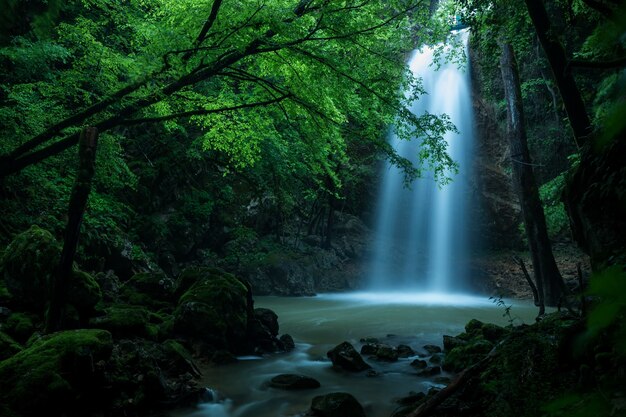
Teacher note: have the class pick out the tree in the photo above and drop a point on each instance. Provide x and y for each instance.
(232, 74)
(549, 281)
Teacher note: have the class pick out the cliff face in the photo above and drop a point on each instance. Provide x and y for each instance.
(497, 211)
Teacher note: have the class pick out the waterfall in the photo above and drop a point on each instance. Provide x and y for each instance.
(421, 232)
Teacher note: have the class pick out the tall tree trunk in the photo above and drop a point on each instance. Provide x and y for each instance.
(78, 201)
(572, 100)
(549, 281)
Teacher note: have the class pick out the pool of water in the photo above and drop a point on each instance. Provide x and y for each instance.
(319, 323)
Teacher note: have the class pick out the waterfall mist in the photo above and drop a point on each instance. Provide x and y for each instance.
(421, 232)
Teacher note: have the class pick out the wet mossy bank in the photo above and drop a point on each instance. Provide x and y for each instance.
(128, 347)
(551, 368)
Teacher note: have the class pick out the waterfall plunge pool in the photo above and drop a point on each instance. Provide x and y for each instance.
(319, 323)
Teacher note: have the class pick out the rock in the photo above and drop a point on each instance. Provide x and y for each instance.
(179, 360)
(493, 333)
(268, 318)
(370, 340)
(405, 351)
(288, 343)
(8, 346)
(429, 371)
(461, 357)
(450, 342)
(386, 353)
(21, 326)
(57, 373)
(26, 267)
(419, 363)
(432, 349)
(336, 404)
(83, 293)
(473, 326)
(261, 338)
(293, 382)
(109, 285)
(126, 321)
(436, 359)
(369, 349)
(213, 310)
(344, 356)
(152, 289)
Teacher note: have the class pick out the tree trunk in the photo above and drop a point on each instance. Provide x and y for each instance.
(78, 201)
(572, 100)
(549, 281)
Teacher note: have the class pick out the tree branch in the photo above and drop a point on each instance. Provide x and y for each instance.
(201, 112)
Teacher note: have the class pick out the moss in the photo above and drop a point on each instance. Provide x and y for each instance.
(213, 309)
(55, 373)
(463, 356)
(84, 292)
(127, 321)
(26, 267)
(5, 295)
(21, 325)
(8, 346)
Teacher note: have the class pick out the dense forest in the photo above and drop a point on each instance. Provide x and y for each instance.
(163, 163)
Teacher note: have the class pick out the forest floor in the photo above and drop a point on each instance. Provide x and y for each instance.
(498, 273)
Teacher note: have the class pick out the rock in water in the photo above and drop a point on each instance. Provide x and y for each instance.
(336, 404)
(344, 356)
(294, 382)
(268, 318)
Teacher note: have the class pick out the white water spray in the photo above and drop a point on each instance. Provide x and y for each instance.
(422, 231)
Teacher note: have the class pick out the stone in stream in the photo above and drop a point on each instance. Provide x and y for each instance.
(344, 356)
(430, 371)
(287, 341)
(405, 351)
(432, 349)
(419, 363)
(336, 404)
(386, 353)
(293, 382)
(450, 342)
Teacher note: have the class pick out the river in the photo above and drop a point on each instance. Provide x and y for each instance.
(319, 323)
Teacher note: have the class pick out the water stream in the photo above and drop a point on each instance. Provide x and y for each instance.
(319, 323)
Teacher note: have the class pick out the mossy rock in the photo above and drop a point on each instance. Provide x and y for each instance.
(126, 321)
(83, 293)
(5, 295)
(27, 265)
(464, 356)
(21, 326)
(190, 276)
(150, 289)
(56, 375)
(8, 346)
(214, 310)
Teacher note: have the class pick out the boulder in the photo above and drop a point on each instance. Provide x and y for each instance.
(152, 289)
(83, 293)
(461, 357)
(21, 326)
(126, 321)
(419, 364)
(293, 382)
(386, 353)
(288, 343)
(268, 318)
(432, 349)
(429, 371)
(58, 373)
(26, 267)
(405, 351)
(336, 404)
(344, 356)
(214, 310)
(450, 342)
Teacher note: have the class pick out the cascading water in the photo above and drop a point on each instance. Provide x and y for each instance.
(421, 231)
